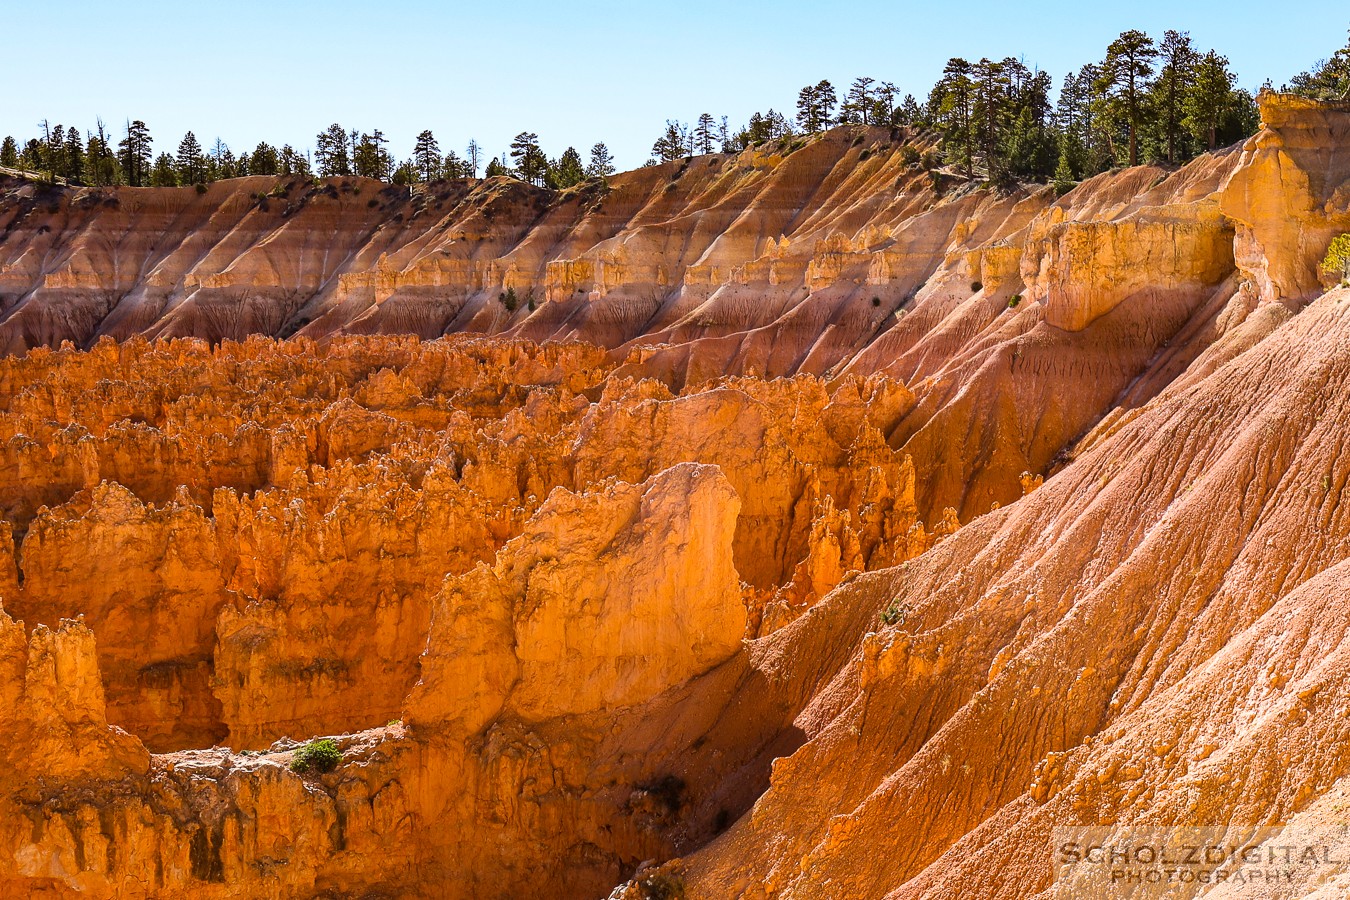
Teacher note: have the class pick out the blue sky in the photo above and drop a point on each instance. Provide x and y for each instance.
(575, 73)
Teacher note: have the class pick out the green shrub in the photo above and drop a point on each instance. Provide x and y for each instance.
(895, 614)
(1014, 300)
(909, 155)
(201, 188)
(876, 301)
(509, 299)
(320, 755)
(976, 287)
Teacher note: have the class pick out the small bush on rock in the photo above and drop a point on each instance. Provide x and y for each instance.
(317, 756)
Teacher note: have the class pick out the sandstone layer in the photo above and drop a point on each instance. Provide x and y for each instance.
(703, 570)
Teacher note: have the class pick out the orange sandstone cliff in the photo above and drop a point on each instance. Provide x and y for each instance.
(805, 532)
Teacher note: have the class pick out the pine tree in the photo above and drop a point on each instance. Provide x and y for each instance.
(569, 170)
(134, 154)
(815, 106)
(1125, 80)
(74, 155)
(1064, 180)
(56, 152)
(910, 112)
(220, 161)
(990, 109)
(165, 173)
(32, 157)
(1209, 98)
(475, 157)
(427, 156)
(602, 164)
(883, 104)
(102, 162)
(496, 167)
(371, 159)
(1176, 73)
(191, 168)
(264, 160)
(454, 167)
(293, 163)
(951, 106)
(705, 134)
(330, 152)
(673, 143)
(858, 106)
(9, 153)
(531, 163)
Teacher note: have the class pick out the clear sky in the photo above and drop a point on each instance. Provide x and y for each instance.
(573, 72)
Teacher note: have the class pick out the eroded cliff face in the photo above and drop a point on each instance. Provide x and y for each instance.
(791, 592)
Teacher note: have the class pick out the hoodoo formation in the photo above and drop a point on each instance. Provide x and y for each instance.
(808, 526)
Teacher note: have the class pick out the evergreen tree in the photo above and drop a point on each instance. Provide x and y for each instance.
(883, 104)
(74, 155)
(673, 143)
(330, 152)
(1125, 81)
(1176, 73)
(910, 112)
(191, 165)
(496, 167)
(602, 164)
(229, 165)
(454, 167)
(371, 159)
(9, 152)
(1209, 98)
(220, 161)
(990, 110)
(1073, 118)
(55, 152)
(858, 105)
(951, 106)
(427, 156)
(293, 163)
(165, 173)
(33, 156)
(815, 106)
(1064, 178)
(474, 158)
(531, 163)
(101, 161)
(134, 154)
(705, 134)
(264, 160)
(1028, 147)
(407, 173)
(569, 170)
